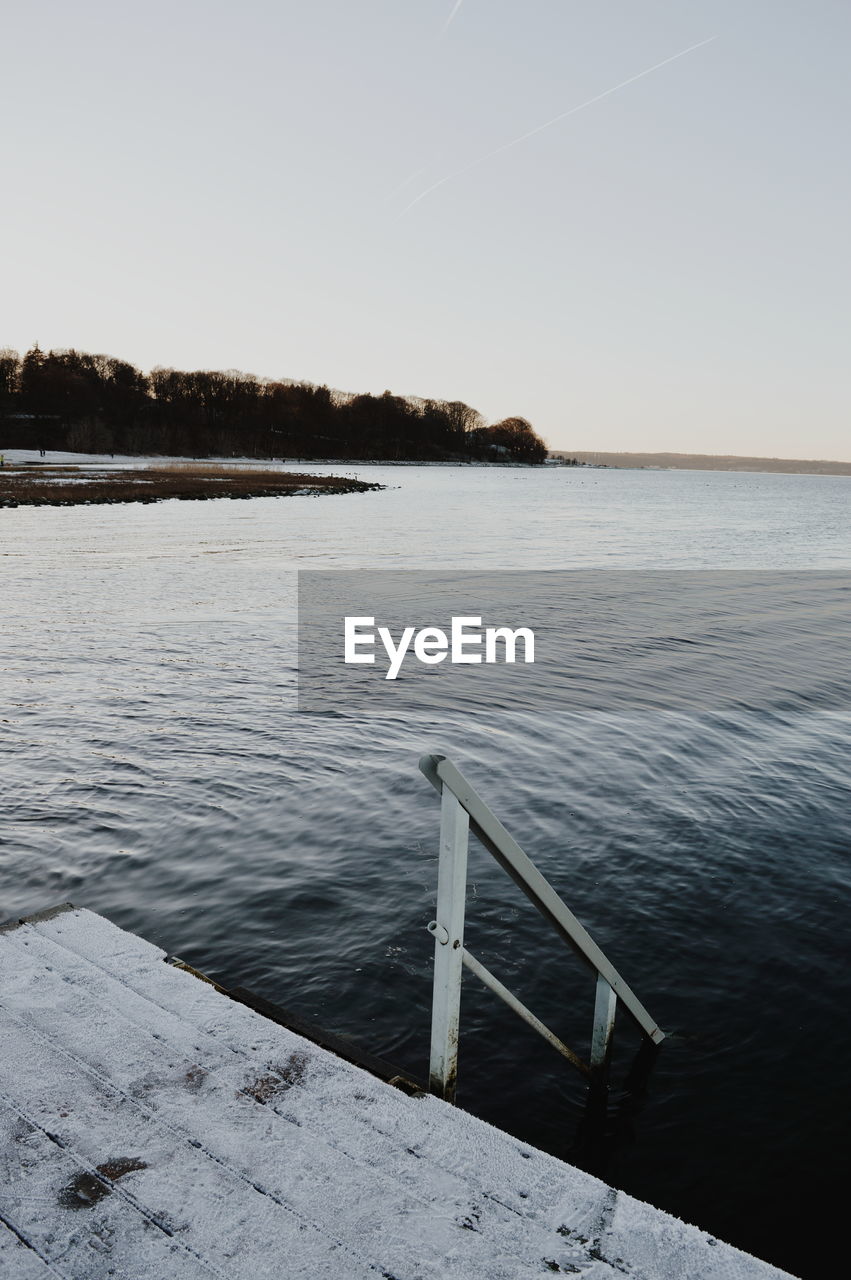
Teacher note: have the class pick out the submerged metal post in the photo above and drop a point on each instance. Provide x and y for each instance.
(605, 1008)
(448, 930)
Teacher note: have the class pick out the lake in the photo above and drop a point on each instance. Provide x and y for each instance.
(155, 769)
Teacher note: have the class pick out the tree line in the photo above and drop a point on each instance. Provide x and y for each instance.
(70, 400)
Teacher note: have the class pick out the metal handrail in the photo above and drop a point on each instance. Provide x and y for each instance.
(462, 811)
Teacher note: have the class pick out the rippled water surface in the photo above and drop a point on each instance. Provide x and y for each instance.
(155, 769)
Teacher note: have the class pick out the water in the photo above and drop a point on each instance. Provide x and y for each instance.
(155, 769)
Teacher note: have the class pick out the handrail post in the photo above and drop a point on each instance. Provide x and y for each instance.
(448, 930)
(605, 1008)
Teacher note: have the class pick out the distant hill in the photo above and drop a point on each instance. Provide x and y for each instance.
(709, 462)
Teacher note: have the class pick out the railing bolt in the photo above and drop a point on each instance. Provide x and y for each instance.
(440, 932)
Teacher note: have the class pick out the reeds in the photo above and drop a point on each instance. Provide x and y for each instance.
(72, 486)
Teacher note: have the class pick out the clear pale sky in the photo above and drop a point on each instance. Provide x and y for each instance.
(229, 185)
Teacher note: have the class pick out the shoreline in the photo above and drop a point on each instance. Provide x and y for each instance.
(745, 464)
(74, 485)
(64, 457)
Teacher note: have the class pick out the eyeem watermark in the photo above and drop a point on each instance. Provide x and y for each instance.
(466, 642)
(425, 644)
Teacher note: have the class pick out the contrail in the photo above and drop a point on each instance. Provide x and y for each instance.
(405, 182)
(549, 123)
(448, 23)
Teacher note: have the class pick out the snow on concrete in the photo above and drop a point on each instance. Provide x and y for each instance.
(152, 1127)
(18, 1260)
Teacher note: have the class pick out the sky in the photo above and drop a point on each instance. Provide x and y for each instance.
(505, 202)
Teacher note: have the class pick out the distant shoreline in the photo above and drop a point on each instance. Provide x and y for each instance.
(705, 462)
